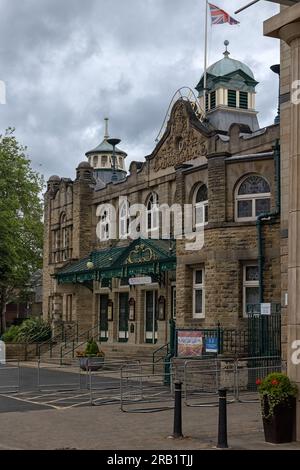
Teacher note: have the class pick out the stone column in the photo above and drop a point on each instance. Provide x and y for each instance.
(286, 26)
(291, 35)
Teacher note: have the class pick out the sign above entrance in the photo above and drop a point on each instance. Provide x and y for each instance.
(138, 281)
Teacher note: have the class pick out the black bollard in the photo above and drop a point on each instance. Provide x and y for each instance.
(222, 431)
(177, 411)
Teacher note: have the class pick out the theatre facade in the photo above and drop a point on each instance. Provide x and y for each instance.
(223, 171)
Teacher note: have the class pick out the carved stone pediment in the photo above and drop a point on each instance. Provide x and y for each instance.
(183, 142)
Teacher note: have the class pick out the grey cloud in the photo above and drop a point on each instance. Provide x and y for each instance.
(67, 64)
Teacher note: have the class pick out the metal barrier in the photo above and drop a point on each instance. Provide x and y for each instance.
(104, 383)
(51, 377)
(203, 378)
(248, 370)
(10, 377)
(134, 386)
(139, 386)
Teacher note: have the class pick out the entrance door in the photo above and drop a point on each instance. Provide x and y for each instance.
(123, 317)
(151, 316)
(103, 317)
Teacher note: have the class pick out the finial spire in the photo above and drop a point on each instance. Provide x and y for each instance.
(226, 44)
(106, 135)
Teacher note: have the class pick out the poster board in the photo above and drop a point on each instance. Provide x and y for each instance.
(189, 343)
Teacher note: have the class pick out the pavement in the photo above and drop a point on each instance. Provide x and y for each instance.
(48, 419)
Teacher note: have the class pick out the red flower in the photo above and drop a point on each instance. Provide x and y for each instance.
(274, 382)
(258, 381)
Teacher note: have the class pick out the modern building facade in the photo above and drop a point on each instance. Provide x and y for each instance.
(222, 171)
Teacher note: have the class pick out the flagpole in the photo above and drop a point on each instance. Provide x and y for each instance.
(205, 57)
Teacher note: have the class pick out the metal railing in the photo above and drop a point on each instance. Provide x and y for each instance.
(203, 378)
(166, 349)
(141, 391)
(70, 347)
(47, 346)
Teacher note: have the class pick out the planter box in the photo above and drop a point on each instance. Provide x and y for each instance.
(279, 428)
(91, 363)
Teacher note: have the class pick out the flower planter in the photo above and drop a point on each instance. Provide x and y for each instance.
(91, 363)
(279, 427)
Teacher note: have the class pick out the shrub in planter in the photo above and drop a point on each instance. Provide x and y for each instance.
(278, 406)
(92, 357)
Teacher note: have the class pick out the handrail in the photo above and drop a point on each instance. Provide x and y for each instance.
(61, 336)
(167, 346)
(73, 348)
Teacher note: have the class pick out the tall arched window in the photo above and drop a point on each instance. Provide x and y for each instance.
(200, 203)
(64, 237)
(253, 198)
(124, 220)
(152, 213)
(105, 222)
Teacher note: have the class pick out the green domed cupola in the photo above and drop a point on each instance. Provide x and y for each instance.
(101, 160)
(230, 96)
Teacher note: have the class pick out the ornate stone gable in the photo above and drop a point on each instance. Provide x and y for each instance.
(183, 142)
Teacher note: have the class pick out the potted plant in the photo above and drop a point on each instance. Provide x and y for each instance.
(278, 406)
(92, 357)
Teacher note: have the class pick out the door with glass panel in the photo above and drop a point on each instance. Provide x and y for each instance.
(123, 316)
(151, 316)
(103, 317)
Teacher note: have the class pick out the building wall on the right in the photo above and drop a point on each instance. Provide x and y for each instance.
(285, 130)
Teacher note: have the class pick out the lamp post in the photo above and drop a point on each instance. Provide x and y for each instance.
(276, 69)
(114, 143)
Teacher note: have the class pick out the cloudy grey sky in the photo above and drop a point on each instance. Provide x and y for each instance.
(69, 63)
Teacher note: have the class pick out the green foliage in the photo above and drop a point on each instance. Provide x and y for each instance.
(92, 349)
(21, 228)
(274, 389)
(32, 330)
(11, 334)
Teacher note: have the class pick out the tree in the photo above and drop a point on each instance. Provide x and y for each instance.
(21, 227)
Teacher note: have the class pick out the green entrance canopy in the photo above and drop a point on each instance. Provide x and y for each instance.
(140, 257)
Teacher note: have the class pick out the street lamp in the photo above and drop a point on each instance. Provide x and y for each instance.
(90, 264)
(114, 143)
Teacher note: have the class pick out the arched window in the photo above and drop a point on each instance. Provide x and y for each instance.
(152, 213)
(253, 198)
(104, 224)
(200, 204)
(124, 220)
(64, 237)
(95, 161)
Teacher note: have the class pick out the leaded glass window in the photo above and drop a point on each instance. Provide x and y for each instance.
(253, 198)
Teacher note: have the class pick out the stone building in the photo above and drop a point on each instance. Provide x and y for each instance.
(223, 169)
(286, 27)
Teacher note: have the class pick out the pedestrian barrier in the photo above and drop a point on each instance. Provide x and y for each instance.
(134, 386)
(141, 391)
(203, 378)
(9, 377)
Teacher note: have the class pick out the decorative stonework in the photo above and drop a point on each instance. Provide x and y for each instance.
(141, 254)
(182, 144)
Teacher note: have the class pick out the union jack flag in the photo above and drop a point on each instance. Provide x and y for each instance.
(219, 16)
